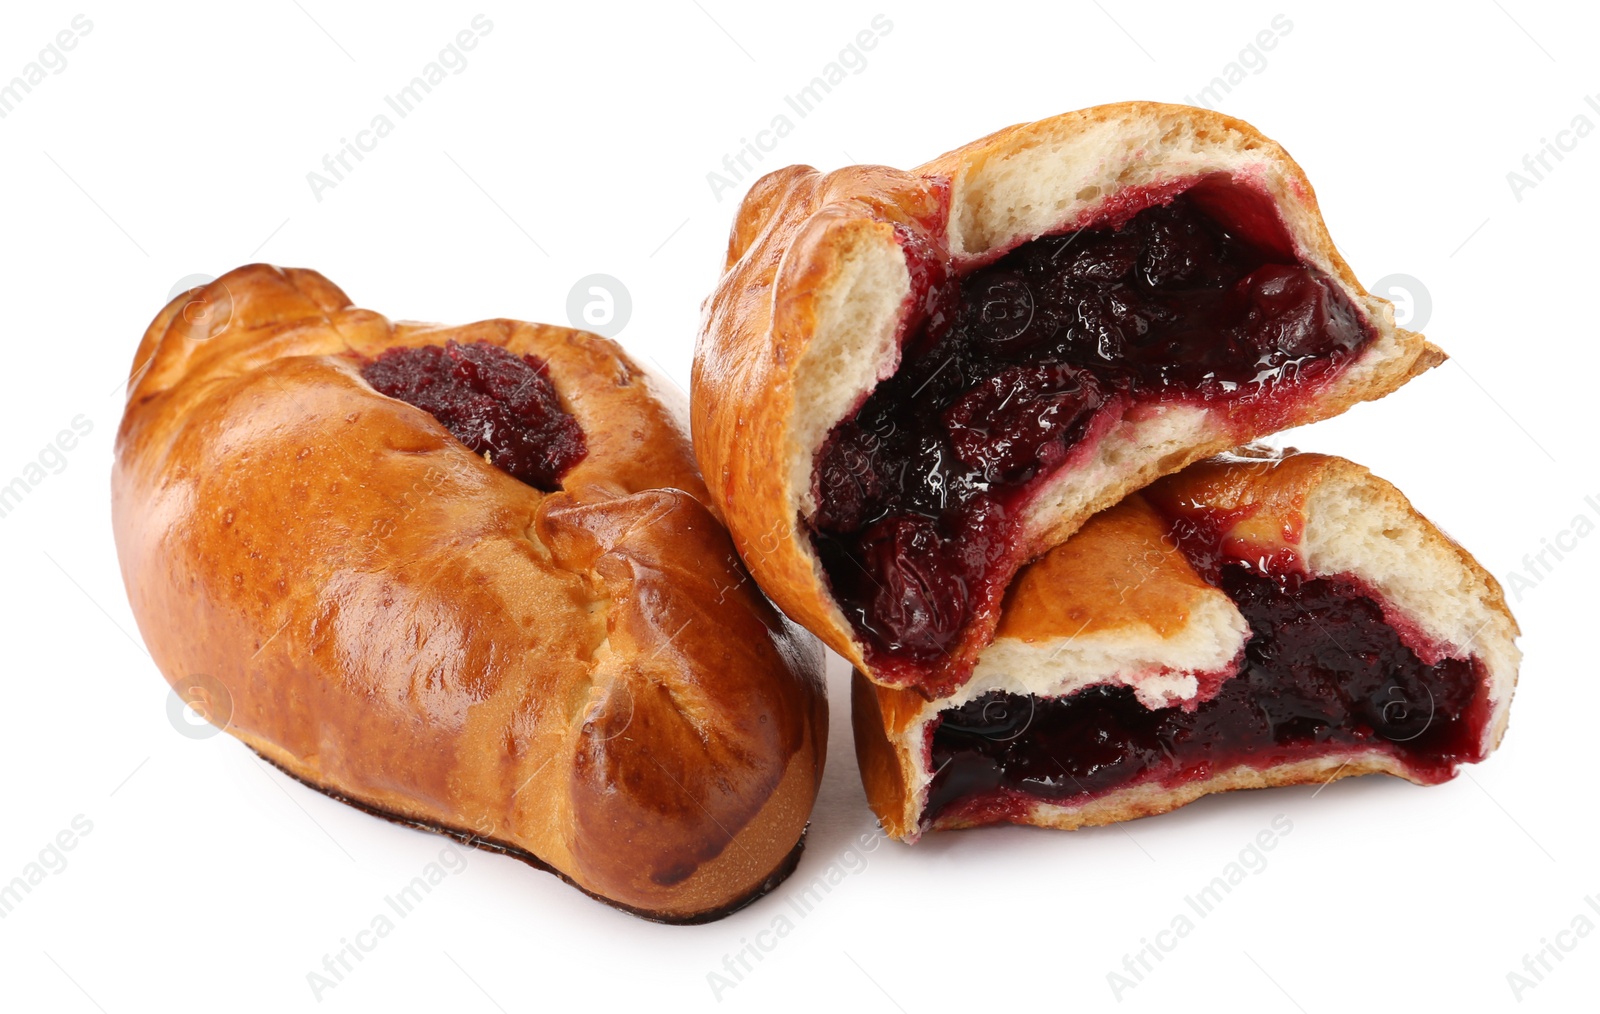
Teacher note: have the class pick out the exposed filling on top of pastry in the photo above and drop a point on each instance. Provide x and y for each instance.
(499, 404)
(1183, 296)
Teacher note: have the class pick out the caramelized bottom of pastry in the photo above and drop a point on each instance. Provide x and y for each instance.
(1322, 673)
(1196, 297)
(497, 403)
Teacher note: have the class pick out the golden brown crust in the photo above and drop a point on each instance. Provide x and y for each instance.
(586, 675)
(1120, 569)
(1116, 569)
(802, 244)
(879, 716)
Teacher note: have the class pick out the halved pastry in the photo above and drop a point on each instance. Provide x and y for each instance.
(908, 384)
(462, 577)
(1257, 619)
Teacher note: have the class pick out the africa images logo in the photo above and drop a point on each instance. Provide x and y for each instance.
(452, 58)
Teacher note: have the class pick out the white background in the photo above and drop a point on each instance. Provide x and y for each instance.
(577, 140)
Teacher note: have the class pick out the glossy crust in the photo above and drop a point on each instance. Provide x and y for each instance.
(818, 290)
(587, 677)
(1327, 510)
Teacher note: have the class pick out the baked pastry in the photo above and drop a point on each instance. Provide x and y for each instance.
(1257, 619)
(908, 384)
(573, 669)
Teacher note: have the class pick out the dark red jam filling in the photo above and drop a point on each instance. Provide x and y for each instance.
(920, 492)
(1322, 672)
(495, 402)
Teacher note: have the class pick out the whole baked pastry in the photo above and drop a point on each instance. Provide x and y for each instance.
(1257, 619)
(908, 384)
(504, 615)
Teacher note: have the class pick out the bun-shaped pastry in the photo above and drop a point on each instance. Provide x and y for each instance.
(1258, 619)
(908, 384)
(505, 615)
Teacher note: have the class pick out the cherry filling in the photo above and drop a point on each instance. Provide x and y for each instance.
(497, 403)
(921, 491)
(1322, 672)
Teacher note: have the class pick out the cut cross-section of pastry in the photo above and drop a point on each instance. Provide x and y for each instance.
(1257, 619)
(463, 578)
(908, 384)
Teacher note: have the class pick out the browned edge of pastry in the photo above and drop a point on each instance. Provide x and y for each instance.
(505, 848)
